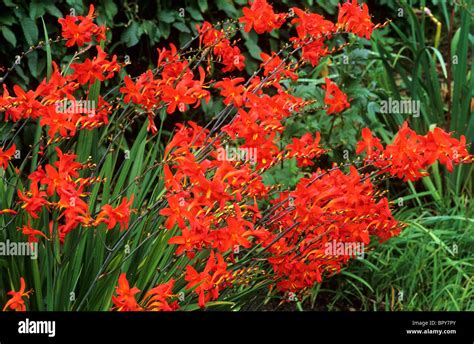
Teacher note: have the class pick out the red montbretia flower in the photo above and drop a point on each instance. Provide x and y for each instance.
(232, 91)
(124, 300)
(31, 233)
(335, 99)
(329, 206)
(311, 25)
(305, 149)
(159, 298)
(448, 150)
(16, 302)
(370, 144)
(33, 200)
(355, 18)
(225, 52)
(6, 156)
(206, 283)
(177, 86)
(99, 68)
(312, 29)
(48, 102)
(276, 69)
(261, 17)
(119, 215)
(410, 154)
(79, 30)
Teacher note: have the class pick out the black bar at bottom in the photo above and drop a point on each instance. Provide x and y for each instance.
(314, 327)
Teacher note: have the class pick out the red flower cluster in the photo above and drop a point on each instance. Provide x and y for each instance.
(220, 46)
(214, 201)
(6, 155)
(79, 30)
(311, 25)
(275, 69)
(328, 207)
(177, 87)
(96, 69)
(232, 91)
(305, 149)
(31, 233)
(199, 189)
(157, 299)
(261, 17)
(206, 202)
(208, 282)
(16, 301)
(62, 179)
(111, 216)
(312, 29)
(259, 122)
(49, 102)
(125, 300)
(355, 19)
(410, 154)
(335, 99)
